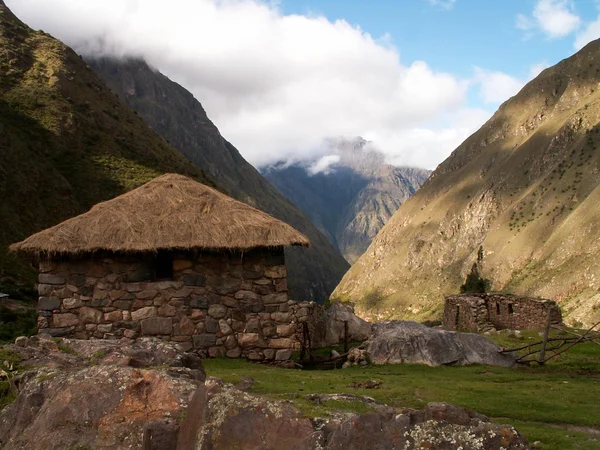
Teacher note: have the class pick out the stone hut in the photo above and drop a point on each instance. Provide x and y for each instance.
(173, 259)
(485, 312)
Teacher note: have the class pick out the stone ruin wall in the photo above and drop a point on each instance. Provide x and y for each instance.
(216, 304)
(484, 312)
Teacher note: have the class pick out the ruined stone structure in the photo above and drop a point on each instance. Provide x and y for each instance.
(485, 312)
(200, 269)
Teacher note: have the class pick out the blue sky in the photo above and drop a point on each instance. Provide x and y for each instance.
(282, 79)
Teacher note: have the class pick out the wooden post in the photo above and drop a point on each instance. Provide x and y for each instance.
(546, 332)
(346, 344)
(147, 439)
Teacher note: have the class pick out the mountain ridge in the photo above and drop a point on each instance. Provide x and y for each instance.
(67, 141)
(521, 188)
(353, 197)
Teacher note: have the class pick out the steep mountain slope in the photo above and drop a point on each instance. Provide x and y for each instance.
(66, 141)
(524, 188)
(179, 118)
(353, 198)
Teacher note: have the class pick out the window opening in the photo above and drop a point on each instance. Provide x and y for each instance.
(163, 266)
(510, 308)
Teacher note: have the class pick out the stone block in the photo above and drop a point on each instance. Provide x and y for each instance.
(199, 301)
(197, 314)
(48, 303)
(124, 305)
(49, 278)
(228, 286)
(230, 342)
(246, 295)
(86, 290)
(269, 331)
(286, 330)
(64, 320)
(204, 340)
(46, 266)
(99, 295)
(157, 325)
(283, 354)
(77, 280)
(229, 302)
(280, 317)
(116, 294)
(217, 311)
(252, 274)
(234, 353)
(224, 327)
(216, 352)
(282, 343)
(147, 294)
(71, 303)
(211, 325)
(255, 356)
(90, 315)
(281, 285)
(276, 272)
(45, 289)
(269, 353)
(143, 313)
(191, 279)
(105, 328)
(186, 326)
(253, 326)
(277, 298)
(167, 311)
(185, 291)
(113, 316)
(131, 334)
(250, 340)
(58, 332)
(134, 287)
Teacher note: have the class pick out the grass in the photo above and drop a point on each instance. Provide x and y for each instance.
(541, 402)
(9, 362)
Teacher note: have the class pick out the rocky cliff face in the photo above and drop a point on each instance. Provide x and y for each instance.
(353, 198)
(179, 118)
(519, 197)
(67, 142)
(148, 394)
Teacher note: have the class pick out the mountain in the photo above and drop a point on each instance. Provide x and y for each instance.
(519, 198)
(352, 198)
(178, 117)
(66, 141)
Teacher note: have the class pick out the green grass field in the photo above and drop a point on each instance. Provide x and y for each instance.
(557, 404)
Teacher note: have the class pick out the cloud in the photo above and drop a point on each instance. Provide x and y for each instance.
(276, 85)
(323, 164)
(442, 4)
(554, 18)
(496, 87)
(590, 33)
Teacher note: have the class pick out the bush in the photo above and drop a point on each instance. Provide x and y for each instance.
(475, 283)
(14, 323)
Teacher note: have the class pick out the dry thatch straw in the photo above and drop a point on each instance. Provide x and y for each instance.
(169, 212)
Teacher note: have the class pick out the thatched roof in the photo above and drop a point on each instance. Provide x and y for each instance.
(169, 212)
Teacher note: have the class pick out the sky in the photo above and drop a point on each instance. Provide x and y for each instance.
(283, 79)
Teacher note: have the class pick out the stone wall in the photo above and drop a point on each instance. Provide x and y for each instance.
(216, 303)
(485, 312)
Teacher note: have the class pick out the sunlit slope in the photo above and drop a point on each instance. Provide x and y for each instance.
(524, 188)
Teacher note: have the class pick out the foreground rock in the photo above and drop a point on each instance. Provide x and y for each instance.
(148, 394)
(399, 342)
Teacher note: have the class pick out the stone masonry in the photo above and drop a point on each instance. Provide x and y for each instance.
(485, 312)
(218, 304)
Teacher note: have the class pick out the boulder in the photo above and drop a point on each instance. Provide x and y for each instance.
(335, 316)
(399, 342)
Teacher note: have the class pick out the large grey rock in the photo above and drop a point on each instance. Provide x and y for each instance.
(398, 342)
(335, 316)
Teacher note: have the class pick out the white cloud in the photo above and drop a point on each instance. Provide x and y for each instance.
(555, 18)
(590, 33)
(443, 4)
(496, 87)
(276, 85)
(323, 164)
